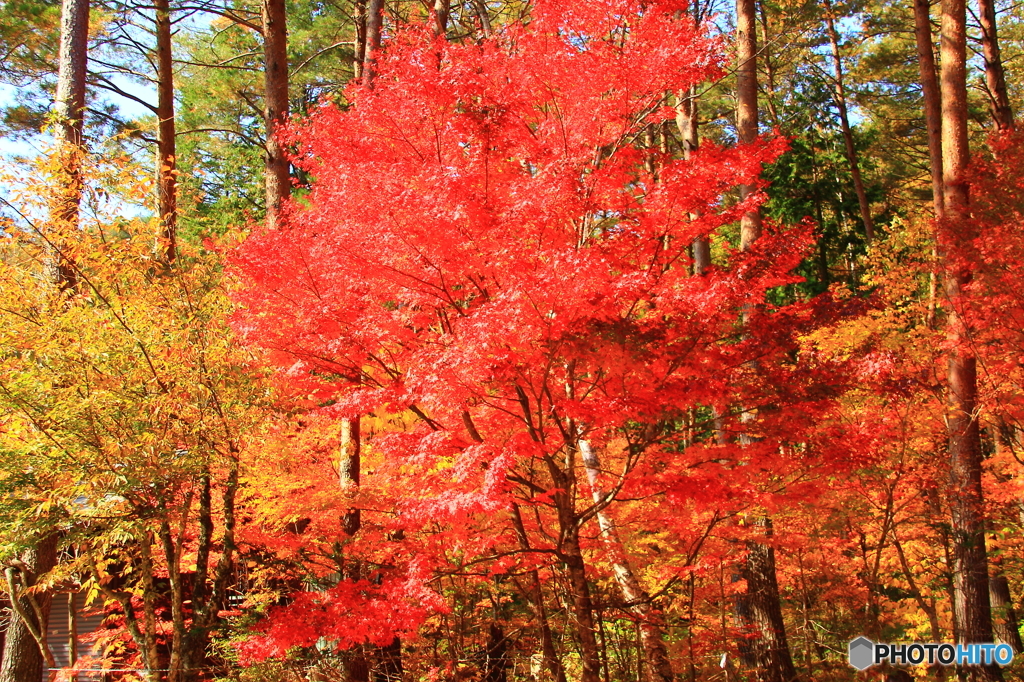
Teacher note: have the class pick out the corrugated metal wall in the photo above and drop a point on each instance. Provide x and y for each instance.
(69, 609)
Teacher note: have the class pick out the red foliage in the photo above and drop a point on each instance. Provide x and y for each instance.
(492, 243)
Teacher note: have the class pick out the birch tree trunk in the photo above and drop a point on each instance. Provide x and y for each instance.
(652, 627)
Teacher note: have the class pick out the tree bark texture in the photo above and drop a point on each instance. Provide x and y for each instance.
(687, 124)
(746, 105)
(359, 54)
(348, 470)
(167, 184)
(761, 611)
(357, 668)
(970, 565)
(930, 90)
(374, 26)
(69, 107)
(995, 76)
(844, 120)
(69, 104)
(275, 110)
(1005, 625)
(23, 657)
(571, 554)
(440, 13)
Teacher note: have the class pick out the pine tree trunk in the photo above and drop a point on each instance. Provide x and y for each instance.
(760, 609)
(167, 186)
(275, 111)
(995, 76)
(23, 657)
(844, 120)
(930, 90)
(970, 565)
(746, 105)
(69, 107)
(374, 25)
(359, 54)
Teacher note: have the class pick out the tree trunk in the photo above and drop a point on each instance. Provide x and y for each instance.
(485, 19)
(357, 668)
(844, 119)
(440, 13)
(551, 660)
(932, 105)
(167, 186)
(746, 105)
(275, 111)
(970, 564)
(582, 604)
(761, 611)
(359, 54)
(652, 627)
(1005, 624)
(348, 471)
(497, 663)
(25, 654)
(928, 607)
(995, 77)
(686, 122)
(374, 25)
(569, 551)
(69, 107)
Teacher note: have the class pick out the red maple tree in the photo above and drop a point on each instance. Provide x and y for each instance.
(498, 244)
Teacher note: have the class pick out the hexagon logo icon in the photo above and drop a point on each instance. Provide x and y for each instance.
(862, 653)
